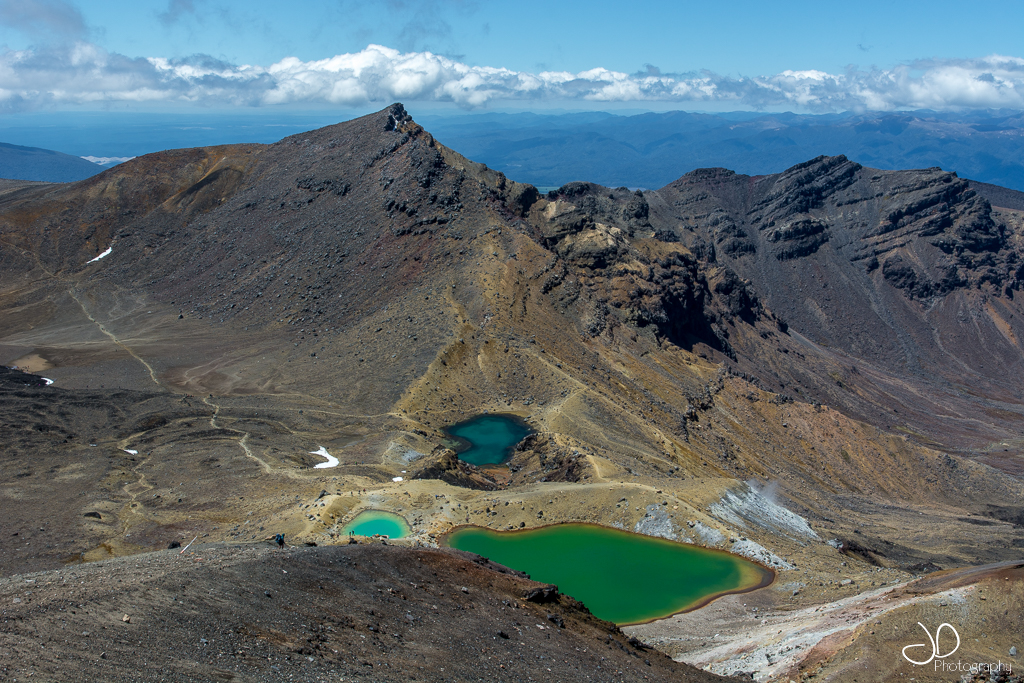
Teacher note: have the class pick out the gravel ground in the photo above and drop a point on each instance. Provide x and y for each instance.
(353, 613)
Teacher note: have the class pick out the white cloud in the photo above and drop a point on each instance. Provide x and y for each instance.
(107, 161)
(85, 73)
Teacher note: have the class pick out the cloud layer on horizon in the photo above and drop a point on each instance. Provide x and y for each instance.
(84, 73)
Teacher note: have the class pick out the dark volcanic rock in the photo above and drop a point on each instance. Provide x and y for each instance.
(999, 196)
(798, 238)
(643, 283)
(539, 458)
(16, 378)
(448, 468)
(363, 283)
(359, 612)
(869, 262)
(542, 594)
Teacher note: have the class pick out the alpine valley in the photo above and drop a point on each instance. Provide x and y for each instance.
(819, 370)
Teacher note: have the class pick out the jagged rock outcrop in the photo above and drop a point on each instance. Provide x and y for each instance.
(539, 458)
(619, 270)
(872, 216)
(447, 467)
(862, 234)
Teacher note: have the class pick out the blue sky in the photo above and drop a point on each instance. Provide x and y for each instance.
(473, 55)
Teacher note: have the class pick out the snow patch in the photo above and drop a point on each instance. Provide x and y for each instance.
(47, 380)
(106, 253)
(331, 460)
(396, 479)
(130, 451)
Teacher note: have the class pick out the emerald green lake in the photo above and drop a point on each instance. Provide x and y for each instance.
(621, 577)
(370, 522)
(488, 439)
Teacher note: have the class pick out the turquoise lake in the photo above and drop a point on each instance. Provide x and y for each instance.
(371, 522)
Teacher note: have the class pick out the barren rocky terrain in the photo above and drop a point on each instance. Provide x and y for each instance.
(361, 613)
(816, 369)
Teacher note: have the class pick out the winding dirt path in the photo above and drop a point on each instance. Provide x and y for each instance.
(113, 338)
(242, 442)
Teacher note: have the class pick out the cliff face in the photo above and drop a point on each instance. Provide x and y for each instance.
(614, 275)
(911, 276)
(877, 241)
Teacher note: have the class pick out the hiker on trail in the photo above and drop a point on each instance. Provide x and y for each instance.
(279, 539)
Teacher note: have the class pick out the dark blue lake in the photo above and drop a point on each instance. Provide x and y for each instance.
(488, 439)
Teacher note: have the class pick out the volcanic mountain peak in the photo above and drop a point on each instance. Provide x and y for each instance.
(848, 334)
(333, 235)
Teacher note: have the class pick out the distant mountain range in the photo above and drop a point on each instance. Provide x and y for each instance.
(34, 163)
(651, 150)
(548, 150)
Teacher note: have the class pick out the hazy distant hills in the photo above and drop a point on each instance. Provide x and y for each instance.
(33, 163)
(651, 150)
(549, 150)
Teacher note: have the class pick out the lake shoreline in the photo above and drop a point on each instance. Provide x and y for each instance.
(753, 575)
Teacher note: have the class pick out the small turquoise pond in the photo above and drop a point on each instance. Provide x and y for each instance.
(488, 439)
(622, 577)
(371, 522)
